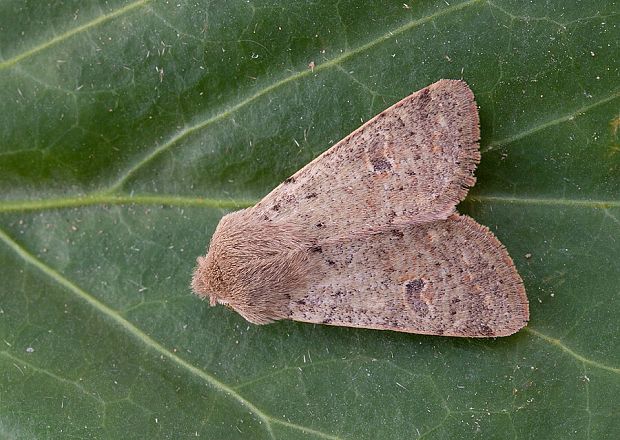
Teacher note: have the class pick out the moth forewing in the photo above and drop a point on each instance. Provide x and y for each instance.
(412, 163)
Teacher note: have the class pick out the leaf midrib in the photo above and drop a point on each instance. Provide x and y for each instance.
(227, 390)
(149, 342)
(152, 344)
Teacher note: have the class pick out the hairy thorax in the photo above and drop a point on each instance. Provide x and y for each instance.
(254, 267)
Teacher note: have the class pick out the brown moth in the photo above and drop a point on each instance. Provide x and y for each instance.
(366, 235)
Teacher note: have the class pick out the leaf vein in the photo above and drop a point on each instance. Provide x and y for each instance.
(559, 344)
(33, 367)
(104, 199)
(334, 62)
(557, 121)
(535, 201)
(79, 29)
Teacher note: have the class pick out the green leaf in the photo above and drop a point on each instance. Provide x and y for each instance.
(130, 127)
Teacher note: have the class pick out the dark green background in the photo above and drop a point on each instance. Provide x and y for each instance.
(129, 128)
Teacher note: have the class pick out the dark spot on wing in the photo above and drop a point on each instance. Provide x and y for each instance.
(414, 287)
(397, 233)
(412, 296)
(380, 164)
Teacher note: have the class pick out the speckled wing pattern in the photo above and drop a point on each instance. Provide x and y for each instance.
(412, 163)
(366, 235)
(426, 270)
(450, 277)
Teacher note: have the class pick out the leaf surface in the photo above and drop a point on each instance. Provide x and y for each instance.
(130, 128)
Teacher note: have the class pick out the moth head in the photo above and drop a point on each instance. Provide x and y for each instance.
(207, 282)
(214, 275)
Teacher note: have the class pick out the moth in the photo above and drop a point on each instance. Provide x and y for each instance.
(367, 234)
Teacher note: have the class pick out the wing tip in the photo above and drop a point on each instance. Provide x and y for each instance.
(466, 121)
(520, 312)
(463, 94)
